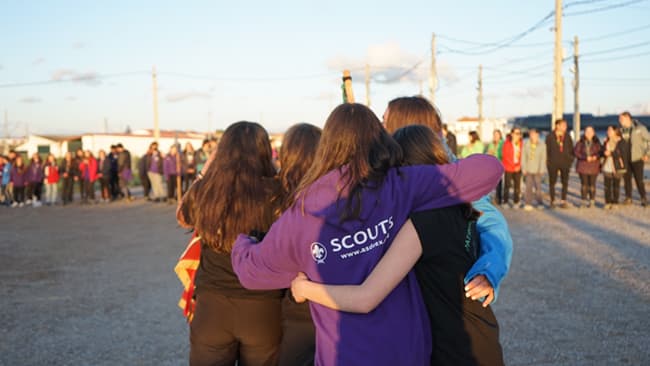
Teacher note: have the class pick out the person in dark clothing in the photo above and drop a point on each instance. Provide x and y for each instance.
(587, 152)
(464, 332)
(450, 138)
(18, 177)
(114, 176)
(124, 173)
(637, 138)
(189, 166)
(35, 178)
(68, 173)
(79, 167)
(615, 152)
(142, 173)
(232, 324)
(559, 157)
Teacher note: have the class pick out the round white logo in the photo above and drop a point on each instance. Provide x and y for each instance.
(318, 252)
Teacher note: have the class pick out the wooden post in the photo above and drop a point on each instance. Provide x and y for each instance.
(348, 94)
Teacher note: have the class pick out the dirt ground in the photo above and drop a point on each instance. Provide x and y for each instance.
(94, 285)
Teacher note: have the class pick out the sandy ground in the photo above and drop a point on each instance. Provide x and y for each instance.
(94, 285)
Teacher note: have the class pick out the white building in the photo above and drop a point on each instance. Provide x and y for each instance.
(464, 125)
(49, 144)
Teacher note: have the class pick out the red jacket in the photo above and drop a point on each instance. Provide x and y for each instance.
(52, 174)
(91, 166)
(511, 163)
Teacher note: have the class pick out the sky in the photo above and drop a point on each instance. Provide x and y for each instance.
(83, 66)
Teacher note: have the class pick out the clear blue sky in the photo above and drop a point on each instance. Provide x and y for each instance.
(279, 62)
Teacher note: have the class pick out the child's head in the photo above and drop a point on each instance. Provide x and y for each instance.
(406, 111)
(51, 159)
(421, 146)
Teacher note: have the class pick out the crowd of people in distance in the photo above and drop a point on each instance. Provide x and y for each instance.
(621, 156)
(103, 178)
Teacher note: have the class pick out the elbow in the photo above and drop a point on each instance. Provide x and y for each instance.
(366, 305)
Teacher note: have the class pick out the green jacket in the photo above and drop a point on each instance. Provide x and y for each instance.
(495, 149)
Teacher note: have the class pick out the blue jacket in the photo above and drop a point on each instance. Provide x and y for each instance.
(496, 242)
(6, 174)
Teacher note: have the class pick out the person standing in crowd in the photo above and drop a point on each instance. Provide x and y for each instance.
(124, 174)
(450, 138)
(35, 180)
(637, 138)
(202, 155)
(89, 176)
(68, 170)
(296, 156)
(171, 171)
(587, 153)
(615, 152)
(189, 166)
(559, 158)
(357, 159)
(104, 176)
(511, 158)
(19, 181)
(51, 171)
(495, 148)
(475, 145)
(114, 178)
(144, 177)
(5, 179)
(232, 324)
(533, 166)
(155, 172)
(80, 167)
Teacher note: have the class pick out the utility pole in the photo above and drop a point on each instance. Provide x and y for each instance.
(368, 85)
(156, 128)
(558, 87)
(433, 77)
(576, 88)
(6, 133)
(480, 101)
(105, 125)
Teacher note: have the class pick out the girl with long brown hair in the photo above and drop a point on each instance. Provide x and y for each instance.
(237, 194)
(349, 206)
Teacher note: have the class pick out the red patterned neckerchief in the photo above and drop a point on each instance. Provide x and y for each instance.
(560, 141)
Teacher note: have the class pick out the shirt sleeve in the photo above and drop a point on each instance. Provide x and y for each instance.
(433, 186)
(495, 252)
(275, 261)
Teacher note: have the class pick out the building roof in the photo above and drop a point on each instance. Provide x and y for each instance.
(467, 119)
(60, 138)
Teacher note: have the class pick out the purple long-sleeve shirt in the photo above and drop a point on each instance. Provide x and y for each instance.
(35, 173)
(310, 238)
(169, 166)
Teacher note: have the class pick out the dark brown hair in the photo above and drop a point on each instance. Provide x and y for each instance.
(238, 193)
(627, 114)
(473, 137)
(406, 111)
(422, 146)
(296, 157)
(353, 137)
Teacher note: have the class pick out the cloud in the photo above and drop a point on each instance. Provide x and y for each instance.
(38, 61)
(182, 96)
(78, 45)
(30, 100)
(88, 78)
(70, 98)
(531, 92)
(391, 64)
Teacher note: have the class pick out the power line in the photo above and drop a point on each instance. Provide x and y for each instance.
(636, 45)
(604, 8)
(616, 34)
(623, 57)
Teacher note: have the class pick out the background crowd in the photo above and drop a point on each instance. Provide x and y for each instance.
(621, 156)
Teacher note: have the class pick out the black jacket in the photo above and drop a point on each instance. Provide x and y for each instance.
(556, 156)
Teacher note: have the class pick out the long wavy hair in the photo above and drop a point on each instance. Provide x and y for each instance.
(422, 146)
(406, 111)
(354, 138)
(296, 157)
(238, 193)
